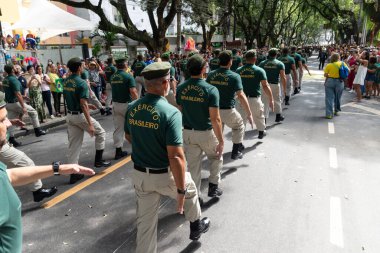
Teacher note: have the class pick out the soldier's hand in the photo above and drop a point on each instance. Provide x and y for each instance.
(17, 122)
(180, 203)
(250, 120)
(67, 169)
(92, 107)
(24, 111)
(91, 130)
(219, 149)
(271, 105)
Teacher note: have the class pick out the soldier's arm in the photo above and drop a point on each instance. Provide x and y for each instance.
(27, 175)
(133, 92)
(300, 65)
(217, 127)
(177, 166)
(128, 137)
(267, 90)
(20, 100)
(86, 112)
(283, 80)
(244, 102)
(294, 70)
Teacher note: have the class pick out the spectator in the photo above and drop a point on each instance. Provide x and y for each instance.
(56, 91)
(361, 74)
(45, 87)
(35, 92)
(94, 78)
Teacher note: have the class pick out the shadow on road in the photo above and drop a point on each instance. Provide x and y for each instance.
(192, 247)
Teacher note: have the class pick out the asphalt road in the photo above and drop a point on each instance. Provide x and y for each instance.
(312, 185)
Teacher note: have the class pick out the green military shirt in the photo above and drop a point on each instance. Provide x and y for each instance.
(195, 96)
(236, 61)
(251, 77)
(303, 60)
(260, 59)
(85, 75)
(121, 82)
(74, 88)
(297, 58)
(10, 215)
(183, 66)
(153, 124)
(11, 85)
(272, 68)
(227, 83)
(214, 64)
(138, 67)
(109, 71)
(377, 73)
(288, 62)
(172, 72)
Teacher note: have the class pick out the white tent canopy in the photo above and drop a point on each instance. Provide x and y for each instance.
(47, 20)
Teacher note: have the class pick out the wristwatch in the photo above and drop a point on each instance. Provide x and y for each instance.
(56, 168)
(183, 192)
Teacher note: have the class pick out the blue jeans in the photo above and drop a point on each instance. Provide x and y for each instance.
(334, 90)
(97, 91)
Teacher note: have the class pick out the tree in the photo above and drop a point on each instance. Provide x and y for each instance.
(209, 15)
(155, 9)
(107, 38)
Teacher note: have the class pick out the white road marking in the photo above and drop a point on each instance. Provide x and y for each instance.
(359, 113)
(333, 158)
(336, 228)
(365, 108)
(331, 128)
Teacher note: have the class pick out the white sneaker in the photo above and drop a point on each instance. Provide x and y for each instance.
(351, 91)
(52, 117)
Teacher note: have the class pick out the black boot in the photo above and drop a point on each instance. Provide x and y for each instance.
(42, 193)
(279, 117)
(262, 134)
(214, 190)
(102, 111)
(287, 100)
(12, 140)
(99, 162)
(198, 227)
(120, 153)
(236, 154)
(295, 91)
(241, 147)
(39, 132)
(75, 178)
(108, 111)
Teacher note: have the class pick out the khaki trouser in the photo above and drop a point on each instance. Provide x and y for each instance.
(233, 119)
(289, 85)
(15, 110)
(109, 95)
(171, 98)
(257, 109)
(119, 111)
(94, 100)
(139, 84)
(300, 75)
(148, 189)
(276, 91)
(195, 143)
(15, 158)
(76, 125)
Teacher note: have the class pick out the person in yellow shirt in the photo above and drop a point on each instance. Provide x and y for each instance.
(333, 86)
(56, 91)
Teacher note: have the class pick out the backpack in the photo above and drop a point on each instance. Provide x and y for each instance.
(343, 71)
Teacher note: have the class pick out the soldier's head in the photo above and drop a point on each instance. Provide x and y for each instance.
(250, 56)
(234, 51)
(139, 57)
(225, 58)
(157, 78)
(216, 53)
(75, 65)
(110, 60)
(4, 122)
(272, 53)
(9, 69)
(196, 65)
(293, 49)
(165, 56)
(285, 51)
(121, 63)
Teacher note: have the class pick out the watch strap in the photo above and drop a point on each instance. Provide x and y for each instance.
(56, 168)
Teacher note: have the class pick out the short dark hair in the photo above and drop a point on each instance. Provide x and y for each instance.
(74, 64)
(272, 53)
(8, 68)
(195, 64)
(120, 64)
(140, 57)
(250, 54)
(285, 50)
(110, 60)
(293, 49)
(29, 67)
(372, 59)
(225, 57)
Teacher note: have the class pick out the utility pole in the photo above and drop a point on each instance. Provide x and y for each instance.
(179, 32)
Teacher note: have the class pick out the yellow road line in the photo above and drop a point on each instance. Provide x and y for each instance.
(86, 183)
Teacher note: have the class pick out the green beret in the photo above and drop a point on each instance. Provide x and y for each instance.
(192, 53)
(2, 99)
(195, 62)
(120, 61)
(74, 62)
(156, 70)
(165, 55)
